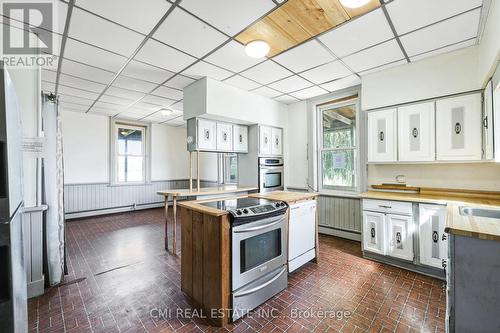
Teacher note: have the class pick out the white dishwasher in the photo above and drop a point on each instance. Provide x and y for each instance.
(301, 234)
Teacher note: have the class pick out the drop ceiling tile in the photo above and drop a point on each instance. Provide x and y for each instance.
(441, 34)
(408, 15)
(228, 15)
(86, 72)
(168, 92)
(267, 92)
(382, 67)
(130, 13)
(233, 57)
(48, 75)
(266, 72)
(375, 56)
(178, 107)
(339, 84)
(116, 100)
(286, 99)
(142, 71)
(292, 83)
(164, 102)
(174, 115)
(304, 56)
(108, 106)
(158, 54)
(101, 111)
(97, 31)
(309, 93)
(179, 82)
(65, 90)
(147, 106)
(94, 56)
(72, 107)
(326, 72)
(77, 82)
(180, 29)
(75, 100)
(201, 69)
(358, 34)
(124, 93)
(241, 82)
(134, 84)
(445, 49)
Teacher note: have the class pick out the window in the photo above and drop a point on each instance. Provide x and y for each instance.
(129, 147)
(228, 168)
(338, 151)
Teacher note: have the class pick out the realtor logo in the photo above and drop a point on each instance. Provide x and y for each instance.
(27, 38)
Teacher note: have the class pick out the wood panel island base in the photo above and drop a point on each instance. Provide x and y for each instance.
(205, 263)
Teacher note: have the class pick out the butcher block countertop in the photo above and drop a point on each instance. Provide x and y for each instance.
(185, 192)
(463, 225)
(286, 196)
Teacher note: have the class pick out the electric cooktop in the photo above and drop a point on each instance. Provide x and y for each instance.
(248, 207)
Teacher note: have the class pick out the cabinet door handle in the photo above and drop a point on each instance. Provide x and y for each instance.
(277, 141)
(458, 128)
(224, 136)
(241, 138)
(485, 122)
(381, 136)
(265, 140)
(398, 237)
(207, 134)
(443, 263)
(414, 132)
(435, 237)
(444, 237)
(372, 232)
(384, 206)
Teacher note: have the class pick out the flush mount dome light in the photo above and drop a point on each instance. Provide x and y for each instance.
(257, 49)
(354, 3)
(166, 112)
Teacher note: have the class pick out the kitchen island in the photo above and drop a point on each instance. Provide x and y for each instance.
(202, 193)
(209, 239)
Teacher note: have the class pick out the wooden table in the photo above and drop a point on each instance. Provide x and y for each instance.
(205, 192)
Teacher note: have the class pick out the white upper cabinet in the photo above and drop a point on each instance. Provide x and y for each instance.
(416, 128)
(433, 242)
(277, 141)
(240, 138)
(459, 128)
(382, 136)
(224, 137)
(207, 134)
(265, 134)
(488, 122)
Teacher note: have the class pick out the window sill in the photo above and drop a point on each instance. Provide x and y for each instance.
(341, 194)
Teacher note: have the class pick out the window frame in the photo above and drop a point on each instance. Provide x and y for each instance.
(222, 168)
(339, 190)
(146, 145)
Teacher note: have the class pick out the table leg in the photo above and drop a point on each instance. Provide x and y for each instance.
(174, 250)
(166, 223)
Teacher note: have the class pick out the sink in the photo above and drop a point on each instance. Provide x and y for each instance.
(479, 212)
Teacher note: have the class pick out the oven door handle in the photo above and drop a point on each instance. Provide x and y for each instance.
(265, 284)
(260, 227)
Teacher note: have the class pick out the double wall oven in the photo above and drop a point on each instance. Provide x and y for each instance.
(271, 172)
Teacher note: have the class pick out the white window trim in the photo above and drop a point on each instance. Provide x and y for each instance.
(113, 148)
(359, 160)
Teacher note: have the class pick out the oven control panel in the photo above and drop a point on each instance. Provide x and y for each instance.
(259, 209)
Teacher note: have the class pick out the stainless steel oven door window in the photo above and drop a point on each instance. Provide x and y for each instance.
(258, 248)
(271, 179)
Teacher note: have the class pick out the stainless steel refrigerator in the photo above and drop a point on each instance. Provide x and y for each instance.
(13, 294)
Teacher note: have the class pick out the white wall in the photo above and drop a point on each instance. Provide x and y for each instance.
(297, 142)
(441, 75)
(86, 151)
(489, 47)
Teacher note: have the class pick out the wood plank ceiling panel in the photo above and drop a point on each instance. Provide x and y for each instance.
(299, 20)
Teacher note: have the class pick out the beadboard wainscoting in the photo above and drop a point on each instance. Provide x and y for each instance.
(88, 199)
(340, 216)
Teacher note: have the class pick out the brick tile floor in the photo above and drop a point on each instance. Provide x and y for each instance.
(127, 279)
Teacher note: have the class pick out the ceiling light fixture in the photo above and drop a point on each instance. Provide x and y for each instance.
(257, 49)
(166, 112)
(354, 3)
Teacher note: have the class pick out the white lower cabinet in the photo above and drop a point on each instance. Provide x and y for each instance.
(399, 236)
(301, 234)
(433, 243)
(374, 232)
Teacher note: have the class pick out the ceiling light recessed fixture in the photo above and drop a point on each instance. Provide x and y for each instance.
(166, 112)
(354, 3)
(257, 49)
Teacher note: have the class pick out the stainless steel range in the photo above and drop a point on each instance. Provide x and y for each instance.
(259, 251)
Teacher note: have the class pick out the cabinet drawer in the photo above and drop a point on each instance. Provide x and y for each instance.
(389, 207)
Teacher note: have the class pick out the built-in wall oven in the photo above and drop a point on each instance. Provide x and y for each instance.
(271, 172)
